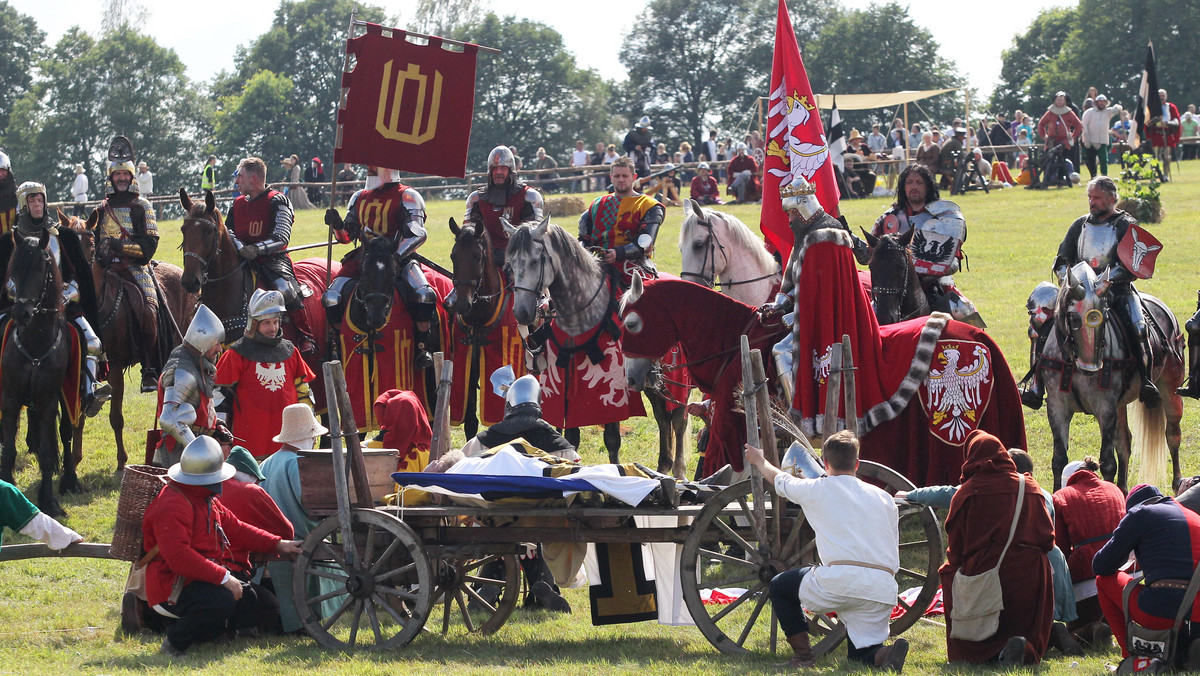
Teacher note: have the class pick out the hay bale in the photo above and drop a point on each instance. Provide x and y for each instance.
(559, 207)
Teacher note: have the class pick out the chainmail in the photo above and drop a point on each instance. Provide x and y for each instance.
(259, 348)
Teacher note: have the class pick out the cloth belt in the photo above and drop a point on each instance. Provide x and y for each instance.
(862, 564)
(1181, 585)
(1088, 541)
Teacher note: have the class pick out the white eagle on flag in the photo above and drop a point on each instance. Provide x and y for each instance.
(801, 157)
(956, 392)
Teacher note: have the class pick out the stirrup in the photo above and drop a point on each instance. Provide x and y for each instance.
(422, 359)
(1149, 394)
(95, 399)
(149, 381)
(1031, 398)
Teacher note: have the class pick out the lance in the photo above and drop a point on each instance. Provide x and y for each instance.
(314, 245)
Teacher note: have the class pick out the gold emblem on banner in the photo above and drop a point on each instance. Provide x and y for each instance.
(425, 111)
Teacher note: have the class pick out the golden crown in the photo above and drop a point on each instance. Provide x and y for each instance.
(797, 189)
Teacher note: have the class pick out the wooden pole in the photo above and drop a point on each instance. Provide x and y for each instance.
(341, 487)
(337, 140)
(766, 426)
(833, 392)
(754, 439)
(349, 431)
(851, 400)
(441, 409)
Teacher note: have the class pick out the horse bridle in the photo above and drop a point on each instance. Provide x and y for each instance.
(902, 289)
(39, 309)
(474, 284)
(205, 262)
(711, 254)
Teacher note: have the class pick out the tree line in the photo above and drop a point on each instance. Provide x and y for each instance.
(693, 65)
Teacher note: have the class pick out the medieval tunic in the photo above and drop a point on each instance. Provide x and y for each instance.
(19, 514)
(382, 211)
(252, 505)
(489, 204)
(862, 596)
(1086, 510)
(8, 203)
(977, 527)
(612, 222)
(261, 390)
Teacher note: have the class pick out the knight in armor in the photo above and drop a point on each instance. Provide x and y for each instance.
(504, 197)
(1094, 239)
(260, 224)
(79, 296)
(186, 400)
(126, 238)
(805, 216)
(936, 246)
(8, 194)
(624, 225)
(395, 211)
(259, 375)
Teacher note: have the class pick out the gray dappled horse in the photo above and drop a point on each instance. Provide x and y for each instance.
(548, 258)
(1087, 368)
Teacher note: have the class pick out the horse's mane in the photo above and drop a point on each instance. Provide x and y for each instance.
(738, 231)
(198, 212)
(24, 255)
(891, 242)
(377, 247)
(474, 231)
(569, 250)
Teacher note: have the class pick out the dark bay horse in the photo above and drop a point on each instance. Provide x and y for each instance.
(118, 326)
(895, 285)
(547, 258)
(213, 268)
(484, 335)
(34, 364)
(1086, 367)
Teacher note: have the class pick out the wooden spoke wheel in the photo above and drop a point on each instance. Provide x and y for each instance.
(378, 598)
(481, 593)
(722, 554)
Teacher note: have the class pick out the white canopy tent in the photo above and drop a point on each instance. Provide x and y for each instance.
(870, 101)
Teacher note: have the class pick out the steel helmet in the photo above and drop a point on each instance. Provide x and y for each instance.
(523, 395)
(264, 304)
(502, 156)
(25, 190)
(5, 163)
(205, 331)
(201, 463)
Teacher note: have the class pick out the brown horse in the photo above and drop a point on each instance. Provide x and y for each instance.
(118, 326)
(213, 268)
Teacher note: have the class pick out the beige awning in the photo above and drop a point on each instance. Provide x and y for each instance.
(870, 101)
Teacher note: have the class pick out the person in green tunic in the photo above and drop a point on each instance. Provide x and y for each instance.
(19, 514)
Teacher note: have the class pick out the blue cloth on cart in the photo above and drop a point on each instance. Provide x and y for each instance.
(493, 487)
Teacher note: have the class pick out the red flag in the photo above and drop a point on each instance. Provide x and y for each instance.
(795, 140)
(409, 106)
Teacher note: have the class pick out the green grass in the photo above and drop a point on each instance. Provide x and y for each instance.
(61, 614)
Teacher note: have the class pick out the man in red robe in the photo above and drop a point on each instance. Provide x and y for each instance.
(261, 374)
(977, 527)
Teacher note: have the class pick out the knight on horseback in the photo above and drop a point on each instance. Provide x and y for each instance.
(504, 197)
(8, 194)
(936, 245)
(79, 295)
(187, 405)
(1094, 239)
(397, 212)
(623, 225)
(126, 239)
(260, 225)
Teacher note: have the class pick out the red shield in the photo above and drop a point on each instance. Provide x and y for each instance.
(1138, 251)
(958, 389)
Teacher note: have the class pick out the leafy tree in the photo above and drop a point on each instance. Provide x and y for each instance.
(239, 127)
(24, 44)
(1031, 51)
(82, 100)
(531, 94)
(306, 45)
(688, 61)
(881, 49)
(446, 17)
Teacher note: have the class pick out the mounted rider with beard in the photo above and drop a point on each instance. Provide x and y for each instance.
(504, 197)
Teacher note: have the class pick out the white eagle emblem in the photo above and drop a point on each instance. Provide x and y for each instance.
(791, 113)
(957, 394)
(610, 375)
(271, 376)
(821, 364)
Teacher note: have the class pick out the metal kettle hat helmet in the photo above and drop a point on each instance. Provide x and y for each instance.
(25, 190)
(201, 463)
(523, 395)
(264, 304)
(205, 331)
(5, 162)
(502, 156)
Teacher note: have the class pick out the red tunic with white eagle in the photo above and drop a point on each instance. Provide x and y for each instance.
(261, 391)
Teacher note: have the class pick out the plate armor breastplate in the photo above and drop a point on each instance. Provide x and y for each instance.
(1098, 245)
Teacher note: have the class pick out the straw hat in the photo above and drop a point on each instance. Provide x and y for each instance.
(79, 169)
(854, 133)
(299, 424)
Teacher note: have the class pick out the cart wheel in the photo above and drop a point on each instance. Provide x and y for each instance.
(721, 552)
(389, 582)
(481, 592)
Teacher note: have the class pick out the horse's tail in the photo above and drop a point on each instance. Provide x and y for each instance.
(1147, 427)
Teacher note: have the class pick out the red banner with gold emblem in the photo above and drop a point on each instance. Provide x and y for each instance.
(408, 106)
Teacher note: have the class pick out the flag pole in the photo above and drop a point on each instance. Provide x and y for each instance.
(337, 138)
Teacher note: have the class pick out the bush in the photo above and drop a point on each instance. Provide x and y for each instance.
(1138, 188)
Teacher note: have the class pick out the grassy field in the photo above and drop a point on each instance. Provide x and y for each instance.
(62, 614)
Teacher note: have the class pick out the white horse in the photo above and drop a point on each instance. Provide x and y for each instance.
(716, 245)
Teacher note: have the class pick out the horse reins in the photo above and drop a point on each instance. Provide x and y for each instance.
(39, 309)
(711, 254)
(903, 289)
(204, 262)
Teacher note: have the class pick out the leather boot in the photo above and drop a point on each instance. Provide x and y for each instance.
(802, 654)
(1148, 394)
(1193, 385)
(149, 379)
(892, 657)
(300, 319)
(1032, 395)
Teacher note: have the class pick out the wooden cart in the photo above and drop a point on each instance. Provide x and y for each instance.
(389, 571)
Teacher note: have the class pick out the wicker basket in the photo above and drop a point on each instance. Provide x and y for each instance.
(139, 486)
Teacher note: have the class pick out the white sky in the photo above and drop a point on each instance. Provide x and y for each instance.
(970, 34)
